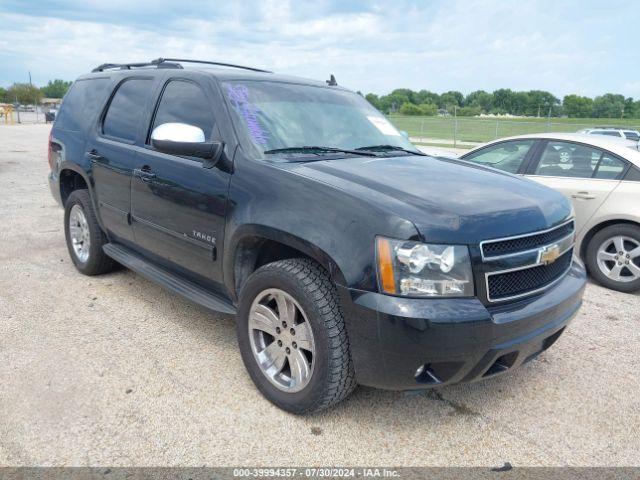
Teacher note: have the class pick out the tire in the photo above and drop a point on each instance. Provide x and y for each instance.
(603, 257)
(91, 260)
(331, 376)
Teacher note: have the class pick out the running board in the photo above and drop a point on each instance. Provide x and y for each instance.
(168, 280)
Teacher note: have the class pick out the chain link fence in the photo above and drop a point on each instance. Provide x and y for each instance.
(466, 132)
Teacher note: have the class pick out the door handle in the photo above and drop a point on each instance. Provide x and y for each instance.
(583, 196)
(94, 155)
(145, 174)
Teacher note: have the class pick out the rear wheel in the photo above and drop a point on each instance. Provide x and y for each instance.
(613, 257)
(292, 336)
(84, 236)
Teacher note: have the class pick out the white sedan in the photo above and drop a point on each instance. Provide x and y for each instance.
(601, 177)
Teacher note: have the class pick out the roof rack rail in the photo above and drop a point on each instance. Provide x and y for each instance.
(160, 61)
(129, 66)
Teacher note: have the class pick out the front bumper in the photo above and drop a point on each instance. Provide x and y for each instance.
(456, 340)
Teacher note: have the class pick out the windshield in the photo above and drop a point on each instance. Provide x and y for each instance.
(271, 116)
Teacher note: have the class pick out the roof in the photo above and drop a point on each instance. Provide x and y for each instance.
(220, 71)
(617, 145)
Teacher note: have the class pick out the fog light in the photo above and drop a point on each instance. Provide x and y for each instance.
(419, 371)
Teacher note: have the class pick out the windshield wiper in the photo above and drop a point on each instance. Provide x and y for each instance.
(387, 148)
(318, 150)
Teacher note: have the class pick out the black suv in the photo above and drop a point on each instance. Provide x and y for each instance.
(348, 256)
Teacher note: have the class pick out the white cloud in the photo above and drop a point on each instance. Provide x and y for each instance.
(461, 45)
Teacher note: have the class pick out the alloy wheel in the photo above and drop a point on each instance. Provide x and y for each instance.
(619, 258)
(281, 340)
(79, 233)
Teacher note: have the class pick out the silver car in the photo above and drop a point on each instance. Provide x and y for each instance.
(601, 176)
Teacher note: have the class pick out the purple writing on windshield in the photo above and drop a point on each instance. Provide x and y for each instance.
(239, 97)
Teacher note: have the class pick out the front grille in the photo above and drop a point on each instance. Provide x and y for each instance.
(527, 242)
(528, 280)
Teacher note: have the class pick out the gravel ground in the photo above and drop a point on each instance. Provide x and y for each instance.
(116, 371)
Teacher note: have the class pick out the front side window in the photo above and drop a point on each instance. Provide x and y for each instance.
(271, 116)
(505, 156)
(124, 115)
(184, 102)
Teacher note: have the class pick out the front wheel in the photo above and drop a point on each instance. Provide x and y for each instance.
(613, 257)
(292, 336)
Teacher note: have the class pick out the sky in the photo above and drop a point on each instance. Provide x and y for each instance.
(564, 46)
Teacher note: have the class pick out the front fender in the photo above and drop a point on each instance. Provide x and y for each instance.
(332, 226)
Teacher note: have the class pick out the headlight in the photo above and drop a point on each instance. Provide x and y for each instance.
(414, 269)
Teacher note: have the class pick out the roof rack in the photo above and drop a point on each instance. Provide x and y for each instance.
(168, 63)
(160, 61)
(129, 66)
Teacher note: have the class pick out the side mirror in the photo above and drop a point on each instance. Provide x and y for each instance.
(186, 140)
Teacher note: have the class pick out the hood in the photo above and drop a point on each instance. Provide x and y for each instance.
(447, 200)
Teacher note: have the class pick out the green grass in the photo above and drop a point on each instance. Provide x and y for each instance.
(444, 145)
(471, 129)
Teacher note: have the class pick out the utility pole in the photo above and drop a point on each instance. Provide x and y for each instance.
(18, 108)
(455, 125)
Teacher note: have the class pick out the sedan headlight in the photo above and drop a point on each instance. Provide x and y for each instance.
(414, 269)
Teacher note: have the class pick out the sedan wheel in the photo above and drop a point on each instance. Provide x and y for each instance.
(619, 259)
(613, 257)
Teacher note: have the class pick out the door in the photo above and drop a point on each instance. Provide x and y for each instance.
(586, 175)
(178, 205)
(111, 153)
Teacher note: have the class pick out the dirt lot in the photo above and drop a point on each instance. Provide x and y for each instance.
(116, 371)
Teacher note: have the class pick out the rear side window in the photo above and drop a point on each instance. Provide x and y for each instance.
(185, 102)
(566, 159)
(610, 167)
(610, 133)
(81, 104)
(124, 115)
(632, 136)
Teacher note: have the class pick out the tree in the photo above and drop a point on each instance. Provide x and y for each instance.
(503, 100)
(428, 109)
(608, 105)
(427, 97)
(410, 109)
(373, 99)
(520, 103)
(576, 106)
(540, 101)
(25, 93)
(451, 99)
(56, 88)
(481, 99)
(631, 108)
(3, 95)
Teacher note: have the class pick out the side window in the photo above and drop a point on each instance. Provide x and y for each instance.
(185, 102)
(81, 104)
(632, 136)
(126, 109)
(610, 167)
(565, 159)
(506, 156)
(610, 133)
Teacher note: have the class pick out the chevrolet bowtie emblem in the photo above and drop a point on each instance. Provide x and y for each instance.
(549, 254)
